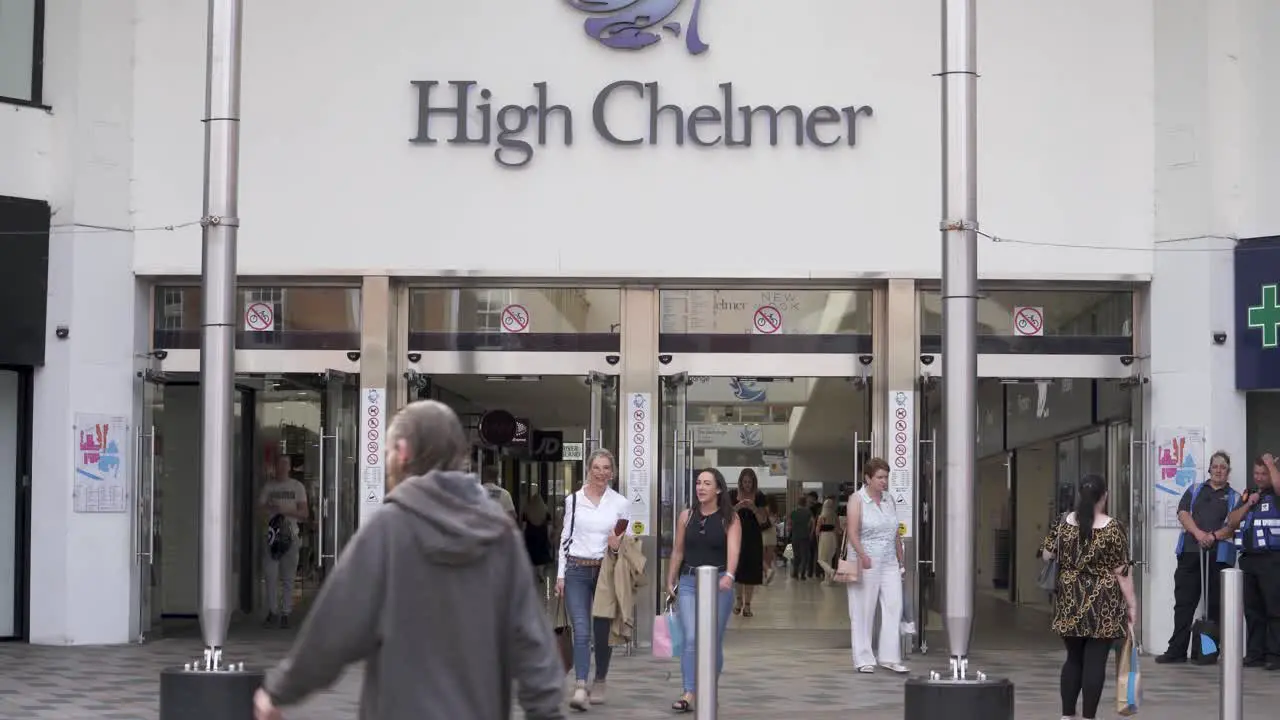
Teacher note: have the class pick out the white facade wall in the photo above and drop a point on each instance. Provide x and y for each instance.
(328, 112)
(1110, 132)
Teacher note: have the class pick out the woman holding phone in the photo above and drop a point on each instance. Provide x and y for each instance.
(708, 534)
(595, 519)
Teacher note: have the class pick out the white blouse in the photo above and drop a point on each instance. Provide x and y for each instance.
(592, 525)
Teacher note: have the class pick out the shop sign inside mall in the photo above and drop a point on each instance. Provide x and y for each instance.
(468, 114)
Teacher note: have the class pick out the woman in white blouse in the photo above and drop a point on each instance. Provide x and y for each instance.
(873, 538)
(588, 531)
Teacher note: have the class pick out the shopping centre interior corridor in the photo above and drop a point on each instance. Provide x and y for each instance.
(790, 660)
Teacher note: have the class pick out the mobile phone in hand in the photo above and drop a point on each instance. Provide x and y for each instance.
(620, 527)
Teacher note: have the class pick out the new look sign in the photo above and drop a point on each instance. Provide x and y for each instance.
(627, 113)
(460, 112)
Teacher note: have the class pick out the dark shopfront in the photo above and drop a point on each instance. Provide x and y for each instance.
(24, 273)
(1257, 336)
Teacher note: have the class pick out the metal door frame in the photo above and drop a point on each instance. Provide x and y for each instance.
(338, 496)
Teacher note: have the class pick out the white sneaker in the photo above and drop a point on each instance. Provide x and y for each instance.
(895, 667)
(580, 701)
(867, 669)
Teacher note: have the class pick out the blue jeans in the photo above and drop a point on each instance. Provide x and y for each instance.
(579, 595)
(687, 600)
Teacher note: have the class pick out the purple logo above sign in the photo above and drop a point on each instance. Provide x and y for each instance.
(635, 24)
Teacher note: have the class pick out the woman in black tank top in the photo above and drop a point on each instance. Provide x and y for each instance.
(707, 534)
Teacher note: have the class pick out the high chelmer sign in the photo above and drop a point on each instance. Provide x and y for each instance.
(459, 112)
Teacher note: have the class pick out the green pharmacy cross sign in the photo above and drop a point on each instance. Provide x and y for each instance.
(1266, 316)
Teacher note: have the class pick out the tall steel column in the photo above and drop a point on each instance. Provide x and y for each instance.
(959, 315)
(217, 348)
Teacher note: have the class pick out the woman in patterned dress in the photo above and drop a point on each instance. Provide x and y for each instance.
(1094, 605)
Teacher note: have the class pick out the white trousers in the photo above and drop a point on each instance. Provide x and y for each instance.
(882, 585)
(280, 575)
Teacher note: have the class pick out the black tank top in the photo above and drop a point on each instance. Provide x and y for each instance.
(705, 541)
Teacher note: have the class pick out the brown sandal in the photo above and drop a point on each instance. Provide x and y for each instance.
(746, 611)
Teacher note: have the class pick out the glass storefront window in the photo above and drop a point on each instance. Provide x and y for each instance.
(271, 318)
(761, 320)
(1075, 322)
(558, 319)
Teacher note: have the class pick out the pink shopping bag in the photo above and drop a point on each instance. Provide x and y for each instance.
(662, 646)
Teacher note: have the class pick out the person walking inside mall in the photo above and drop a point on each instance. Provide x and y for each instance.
(433, 593)
(283, 502)
(1095, 604)
(1207, 539)
(802, 539)
(828, 539)
(749, 503)
(708, 534)
(1258, 539)
(535, 521)
(595, 521)
(873, 537)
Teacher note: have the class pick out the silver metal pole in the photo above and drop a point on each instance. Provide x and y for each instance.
(217, 349)
(1232, 660)
(959, 312)
(705, 631)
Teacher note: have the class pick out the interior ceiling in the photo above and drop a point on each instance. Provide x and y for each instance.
(554, 401)
(837, 410)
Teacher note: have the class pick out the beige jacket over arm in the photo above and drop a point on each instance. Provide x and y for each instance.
(620, 576)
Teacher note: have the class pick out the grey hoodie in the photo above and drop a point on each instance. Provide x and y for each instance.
(436, 594)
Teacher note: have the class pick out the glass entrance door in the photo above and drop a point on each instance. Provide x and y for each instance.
(338, 503)
(602, 424)
(676, 460)
(150, 608)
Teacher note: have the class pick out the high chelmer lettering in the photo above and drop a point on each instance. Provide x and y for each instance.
(517, 129)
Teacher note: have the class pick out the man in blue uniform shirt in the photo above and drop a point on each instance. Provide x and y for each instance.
(1258, 539)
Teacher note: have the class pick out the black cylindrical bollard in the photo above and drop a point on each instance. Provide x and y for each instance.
(198, 695)
(947, 699)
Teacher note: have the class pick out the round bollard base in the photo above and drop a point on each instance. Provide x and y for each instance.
(946, 699)
(195, 695)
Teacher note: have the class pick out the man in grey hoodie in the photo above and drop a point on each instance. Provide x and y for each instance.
(434, 593)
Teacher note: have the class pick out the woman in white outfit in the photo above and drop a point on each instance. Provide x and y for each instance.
(873, 538)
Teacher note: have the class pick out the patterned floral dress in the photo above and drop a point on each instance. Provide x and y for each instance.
(1089, 602)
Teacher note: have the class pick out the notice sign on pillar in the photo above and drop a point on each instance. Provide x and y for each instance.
(766, 320)
(1028, 322)
(259, 317)
(373, 428)
(515, 319)
(639, 459)
(902, 457)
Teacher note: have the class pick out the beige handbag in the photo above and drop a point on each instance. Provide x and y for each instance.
(847, 571)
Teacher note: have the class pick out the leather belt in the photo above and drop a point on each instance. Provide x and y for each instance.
(585, 562)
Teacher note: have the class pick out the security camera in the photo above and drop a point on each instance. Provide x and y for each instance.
(613, 359)
(664, 359)
(62, 331)
(1127, 360)
(927, 359)
(1219, 338)
(353, 355)
(865, 359)
(415, 357)
(160, 354)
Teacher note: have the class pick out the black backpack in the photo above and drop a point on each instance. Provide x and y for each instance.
(279, 540)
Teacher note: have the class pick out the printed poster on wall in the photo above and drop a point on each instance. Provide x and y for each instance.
(639, 459)
(1180, 462)
(373, 422)
(902, 457)
(100, 465)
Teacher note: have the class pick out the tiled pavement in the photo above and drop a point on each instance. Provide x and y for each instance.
(790, 661)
